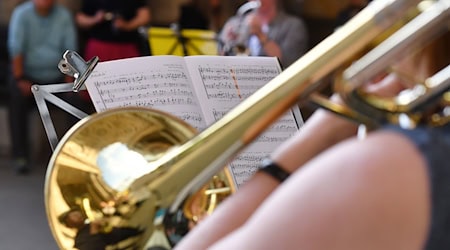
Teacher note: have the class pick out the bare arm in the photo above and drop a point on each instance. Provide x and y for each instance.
(23, 84)
(322, 131)
(270, 47)
(17, 67)
(86, 22)
(142, 18)
(356, 195)
(318, 133)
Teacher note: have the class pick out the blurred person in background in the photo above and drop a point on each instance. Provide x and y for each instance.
(264, 29)
(192, 16)
(39, 33)
(216, 14)
(97, 234)
(353, 7)
(112, 28)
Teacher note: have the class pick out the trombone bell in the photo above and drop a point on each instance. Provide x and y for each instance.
(105, 171)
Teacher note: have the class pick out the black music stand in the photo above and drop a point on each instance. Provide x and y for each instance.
(182, 42)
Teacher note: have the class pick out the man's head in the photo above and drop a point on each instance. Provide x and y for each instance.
(43, 7)
(268, 3)
(268, 6)
(72, 218)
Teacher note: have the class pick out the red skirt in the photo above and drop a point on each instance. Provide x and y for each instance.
(107, 51)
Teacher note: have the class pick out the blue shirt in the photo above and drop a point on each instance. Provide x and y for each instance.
(289, 32)
(41, 40)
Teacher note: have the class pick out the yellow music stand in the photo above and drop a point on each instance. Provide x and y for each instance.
(171, 41)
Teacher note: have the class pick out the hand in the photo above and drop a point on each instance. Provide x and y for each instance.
(100, 16)
(121, 24)
(382, 86)
(254, 24)
(386, 86)
(230, 33)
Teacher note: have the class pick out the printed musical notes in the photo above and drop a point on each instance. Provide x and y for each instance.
(234, 82)
(198, 89)
(222, 84)
(146, 82)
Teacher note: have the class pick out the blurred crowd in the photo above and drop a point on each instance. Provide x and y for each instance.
(410, 164)
(38, 32)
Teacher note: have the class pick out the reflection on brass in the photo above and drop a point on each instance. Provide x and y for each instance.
(423, 33)
(90, 201)
(138, 177)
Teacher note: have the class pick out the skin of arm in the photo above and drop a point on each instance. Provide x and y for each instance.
(17, 70)
(86, 22)
(356, 195)
(271, 48)
(372, 190)
(142, 18)
(17, 66)
(233, 212)
(321, 132)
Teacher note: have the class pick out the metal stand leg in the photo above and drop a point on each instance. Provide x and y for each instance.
(71, 64)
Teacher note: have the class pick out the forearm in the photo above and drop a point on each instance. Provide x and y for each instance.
(22, 83)
(320, 132)
(85, 21)
(17, 67)
(270, 47)
(231, 213)
(142, 18)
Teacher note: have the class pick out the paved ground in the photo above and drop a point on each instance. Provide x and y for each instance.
(22, 210)
(24, 223)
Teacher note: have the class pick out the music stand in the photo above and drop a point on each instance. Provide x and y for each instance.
(72, 64)
(182, 42)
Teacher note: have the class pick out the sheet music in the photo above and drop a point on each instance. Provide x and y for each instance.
(222, 84)
(155, 82)
(198, 89)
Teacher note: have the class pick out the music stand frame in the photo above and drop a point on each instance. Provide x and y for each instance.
(72, 64)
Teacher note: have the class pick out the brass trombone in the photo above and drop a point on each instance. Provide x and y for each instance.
(177, 162)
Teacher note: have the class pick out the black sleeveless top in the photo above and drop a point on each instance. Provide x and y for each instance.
(434, 143)
(105, 31)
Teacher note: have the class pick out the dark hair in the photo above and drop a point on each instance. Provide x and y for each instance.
(157, 248)
(62, 218)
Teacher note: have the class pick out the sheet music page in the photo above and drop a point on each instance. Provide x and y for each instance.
(222, 83)
(159, 82)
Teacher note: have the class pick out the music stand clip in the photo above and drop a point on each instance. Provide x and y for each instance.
(73, 64)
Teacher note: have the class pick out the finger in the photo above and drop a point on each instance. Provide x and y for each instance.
(388, 86)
